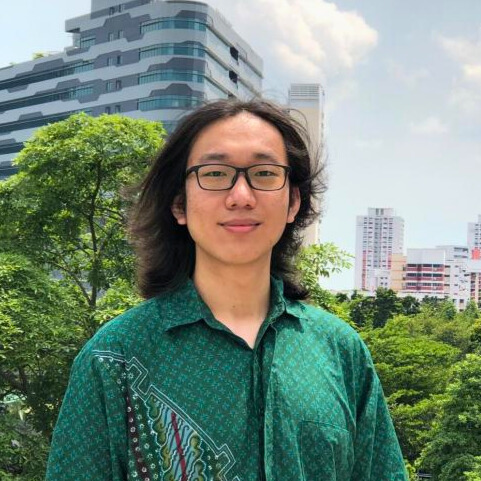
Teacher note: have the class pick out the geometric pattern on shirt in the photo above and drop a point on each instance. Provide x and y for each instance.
(185, 451)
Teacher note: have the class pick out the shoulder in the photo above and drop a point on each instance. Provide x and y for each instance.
(129, 328)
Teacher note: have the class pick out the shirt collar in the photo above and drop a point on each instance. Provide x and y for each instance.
(185, 306)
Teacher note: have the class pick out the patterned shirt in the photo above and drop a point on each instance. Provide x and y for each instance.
(166, 392)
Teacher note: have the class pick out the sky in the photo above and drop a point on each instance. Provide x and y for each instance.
(402, 84)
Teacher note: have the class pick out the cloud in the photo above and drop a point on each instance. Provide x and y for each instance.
(430, 126)
(407, 77)
(301, 40)
(466, 53)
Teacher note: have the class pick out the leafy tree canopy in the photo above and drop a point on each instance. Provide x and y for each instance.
(40, 332)
(455, 446)
(65, 209)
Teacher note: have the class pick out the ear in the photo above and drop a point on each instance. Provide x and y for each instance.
(178, 211)
(294, 204)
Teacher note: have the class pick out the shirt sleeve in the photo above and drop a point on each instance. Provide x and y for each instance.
(90, 439)
(378, 456)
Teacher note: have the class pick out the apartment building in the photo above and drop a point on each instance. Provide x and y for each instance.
(440, 272)
(474, 239)
(147, 59)
(379, 235)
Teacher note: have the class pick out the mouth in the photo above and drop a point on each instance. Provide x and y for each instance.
(240, 226)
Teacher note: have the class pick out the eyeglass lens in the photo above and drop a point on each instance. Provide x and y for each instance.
(261, 177)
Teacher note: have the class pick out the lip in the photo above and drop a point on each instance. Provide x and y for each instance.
(240, 225)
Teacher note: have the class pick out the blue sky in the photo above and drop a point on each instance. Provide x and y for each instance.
(403, 98)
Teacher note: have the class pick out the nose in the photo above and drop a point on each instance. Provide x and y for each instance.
(241, 195)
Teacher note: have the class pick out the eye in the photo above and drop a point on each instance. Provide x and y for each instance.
(265, 173)
(213, 173)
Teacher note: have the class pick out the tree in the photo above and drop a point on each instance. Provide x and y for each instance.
(410, 306)
(322, 260)
(414, 371)
(386, 305)
(65, 210)
(456, 440)
(40, 333)
(362, 310)
(475, 473)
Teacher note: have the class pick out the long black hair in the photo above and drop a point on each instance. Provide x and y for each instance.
(165, 250)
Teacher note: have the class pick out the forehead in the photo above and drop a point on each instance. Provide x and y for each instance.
(244, 135)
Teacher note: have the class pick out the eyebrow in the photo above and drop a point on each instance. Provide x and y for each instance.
(221, 157)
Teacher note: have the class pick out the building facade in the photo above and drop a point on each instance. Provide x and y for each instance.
(379, 235)
(147, 59)
(306, 104)
(474, 239)
(440, 272)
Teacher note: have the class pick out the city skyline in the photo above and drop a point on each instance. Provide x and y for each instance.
(403, 98)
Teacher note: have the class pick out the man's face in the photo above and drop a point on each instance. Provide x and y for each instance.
(238, 226)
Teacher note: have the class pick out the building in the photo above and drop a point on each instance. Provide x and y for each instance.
(425, 273)
(397, 271)
(440, 272)
(379, 235)
(474, 273)
(147, 59)
(474, 239)
(306, 105)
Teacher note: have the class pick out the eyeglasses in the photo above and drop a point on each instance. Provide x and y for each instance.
(223, 177)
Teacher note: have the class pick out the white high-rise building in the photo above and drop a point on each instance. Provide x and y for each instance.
(474, 239)
(306, 105)
(379, 235)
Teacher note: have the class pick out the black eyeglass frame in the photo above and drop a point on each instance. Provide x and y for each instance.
(287, 169)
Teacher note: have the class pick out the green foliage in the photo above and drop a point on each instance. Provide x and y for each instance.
(322, 260)
(23, 451)
(386, 305)
(40, 333)
(414, 370)
(120, 297)
(475, 473)
(455, 446)
(410, 306)
(362, 310)
(65, 209)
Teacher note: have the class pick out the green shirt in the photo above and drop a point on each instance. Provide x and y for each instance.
(166, 392)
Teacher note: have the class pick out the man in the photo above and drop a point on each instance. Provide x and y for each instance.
(222, 374)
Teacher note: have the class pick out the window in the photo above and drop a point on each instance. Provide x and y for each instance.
(234, 53)
(118, 84)
(87, 42)
(110, 61)
(110, 86)
(117, 109)
(47, 75)
(176, 23)
(120, 34)
(119, 60)
(189, 49)
(121, 7)
(111, 10)
(169, 101)
(111, 37)
(108, 110)
(181, 75)
(233, 76)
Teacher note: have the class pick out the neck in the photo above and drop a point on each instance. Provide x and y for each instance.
(237, 296)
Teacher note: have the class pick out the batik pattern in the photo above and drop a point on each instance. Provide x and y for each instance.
(167, 445)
